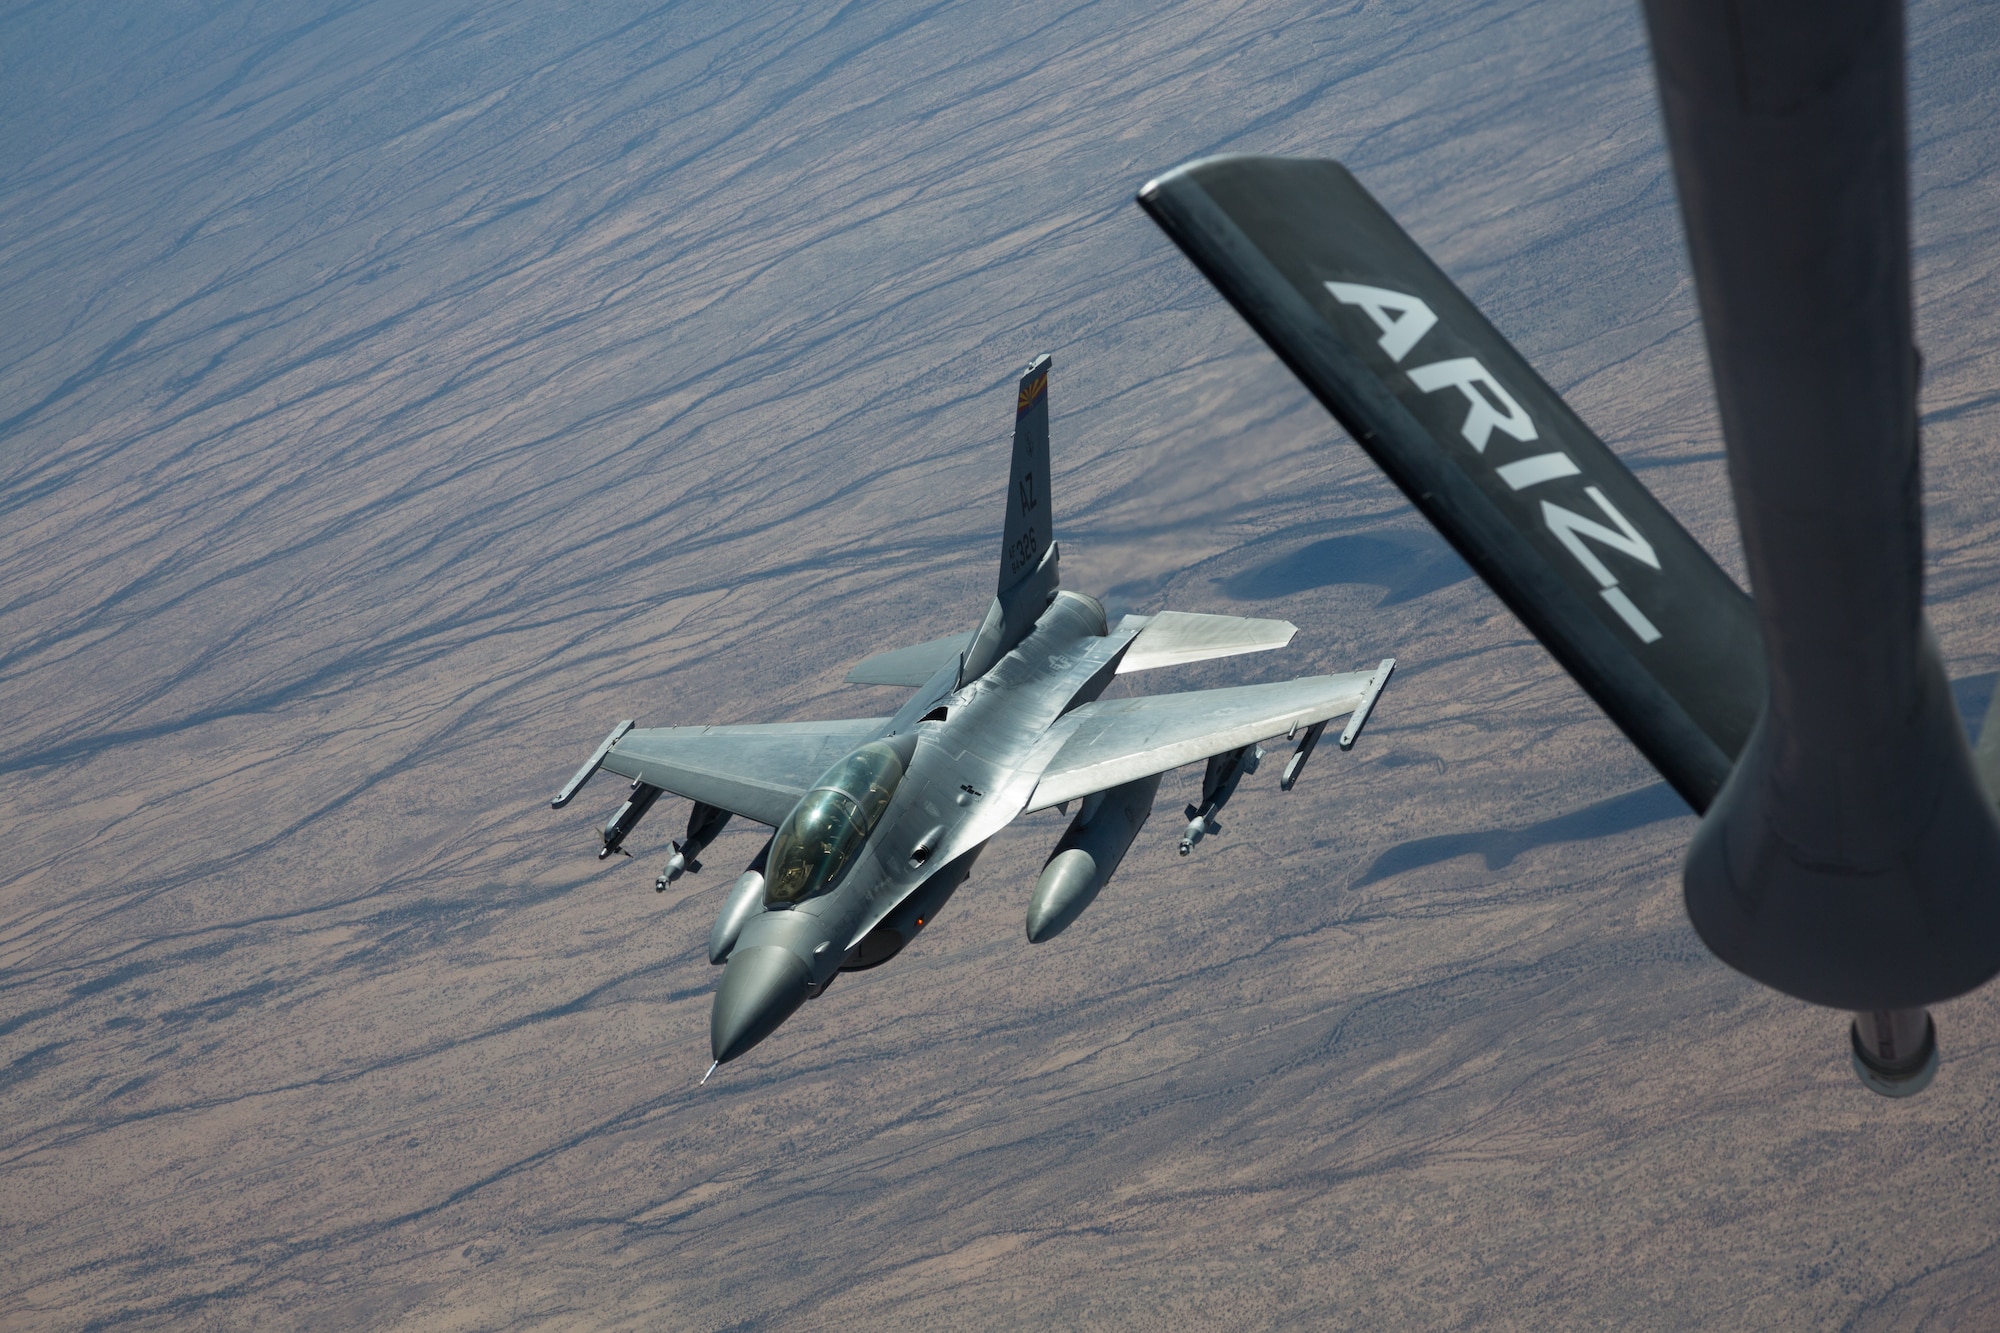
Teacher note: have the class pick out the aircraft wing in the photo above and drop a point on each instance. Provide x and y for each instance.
(1117, 740)
(1591, 562)
(757, 771)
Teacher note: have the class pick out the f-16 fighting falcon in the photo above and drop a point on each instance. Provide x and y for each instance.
(878, 820)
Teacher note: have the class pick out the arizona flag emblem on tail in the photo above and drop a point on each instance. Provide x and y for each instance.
(1034, 386)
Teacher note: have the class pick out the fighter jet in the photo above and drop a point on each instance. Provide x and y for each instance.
(879, 820)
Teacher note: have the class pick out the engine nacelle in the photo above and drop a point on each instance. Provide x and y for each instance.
(1089, 854)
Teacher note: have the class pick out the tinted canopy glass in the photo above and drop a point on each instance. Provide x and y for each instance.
(817, 839)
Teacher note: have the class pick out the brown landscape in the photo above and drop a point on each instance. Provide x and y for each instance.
(394, 396)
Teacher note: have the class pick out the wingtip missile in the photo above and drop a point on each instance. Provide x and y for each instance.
(590, 765)
(1359, 719)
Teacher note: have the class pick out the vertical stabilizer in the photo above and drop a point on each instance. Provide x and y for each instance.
(1029, 526)
(1028, 557)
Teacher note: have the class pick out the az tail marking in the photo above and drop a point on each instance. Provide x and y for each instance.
(1032, 390)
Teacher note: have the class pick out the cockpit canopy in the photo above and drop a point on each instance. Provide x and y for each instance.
(814, 843)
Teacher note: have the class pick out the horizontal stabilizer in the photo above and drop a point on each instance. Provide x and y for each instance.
(757, 771)
(1556, 525)
(1114, 741)
(911, 666)
(1173, 637)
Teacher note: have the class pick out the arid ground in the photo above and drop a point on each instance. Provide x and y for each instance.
(395, 395)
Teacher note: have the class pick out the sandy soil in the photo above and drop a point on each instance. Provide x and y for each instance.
(394, 395)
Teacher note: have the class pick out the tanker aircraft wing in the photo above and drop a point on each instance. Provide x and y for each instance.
(1848, 854)
(1556, 524)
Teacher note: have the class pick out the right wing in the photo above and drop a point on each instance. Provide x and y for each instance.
(756, 771)
(1117, 740)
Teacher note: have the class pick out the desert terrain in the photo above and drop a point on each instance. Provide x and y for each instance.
(395, 395)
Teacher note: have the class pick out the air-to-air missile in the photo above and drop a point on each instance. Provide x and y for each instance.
(878, 821)
(1225, 771)
(626, 818)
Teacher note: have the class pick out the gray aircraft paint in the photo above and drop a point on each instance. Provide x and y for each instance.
(1004, 720)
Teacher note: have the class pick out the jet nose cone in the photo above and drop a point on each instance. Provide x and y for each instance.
(760, 988)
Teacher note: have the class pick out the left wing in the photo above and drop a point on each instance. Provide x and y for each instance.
(1117, 740)
(757, 771)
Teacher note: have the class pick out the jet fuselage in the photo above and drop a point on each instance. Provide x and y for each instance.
(969, 764)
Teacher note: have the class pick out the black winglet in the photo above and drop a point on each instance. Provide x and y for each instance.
(1569, 539)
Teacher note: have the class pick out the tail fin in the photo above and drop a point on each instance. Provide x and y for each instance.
(1028, 557)
(1029, 526)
